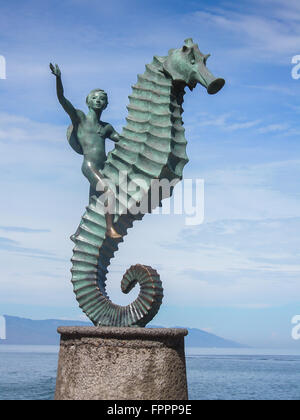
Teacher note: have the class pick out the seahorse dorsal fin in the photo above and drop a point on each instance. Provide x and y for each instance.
(189, 42)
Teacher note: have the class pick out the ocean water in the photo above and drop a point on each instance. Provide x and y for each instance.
(29, 373)
(244, 375)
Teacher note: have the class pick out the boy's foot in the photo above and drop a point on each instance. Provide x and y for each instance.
(112, 233)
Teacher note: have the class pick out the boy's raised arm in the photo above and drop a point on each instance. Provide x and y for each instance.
(67, 106)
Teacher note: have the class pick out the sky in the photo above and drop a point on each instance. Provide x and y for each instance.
(235, 275)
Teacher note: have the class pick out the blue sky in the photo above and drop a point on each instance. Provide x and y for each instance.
(237, 275)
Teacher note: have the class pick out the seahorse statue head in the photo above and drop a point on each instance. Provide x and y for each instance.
(188, 65)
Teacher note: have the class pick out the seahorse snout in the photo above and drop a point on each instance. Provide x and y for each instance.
(207, 79)
(215, 86)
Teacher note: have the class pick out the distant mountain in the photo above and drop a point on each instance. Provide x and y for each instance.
(26, 331)
(22, 331)
(199, 338)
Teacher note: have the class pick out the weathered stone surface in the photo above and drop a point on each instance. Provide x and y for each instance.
(108, 363)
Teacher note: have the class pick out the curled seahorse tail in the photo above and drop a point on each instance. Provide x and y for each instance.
(146, 306)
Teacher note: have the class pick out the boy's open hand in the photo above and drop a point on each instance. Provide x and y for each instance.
(55, 70)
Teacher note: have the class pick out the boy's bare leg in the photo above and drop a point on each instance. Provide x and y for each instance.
(110, 231)
(109, 214)
(98, 187)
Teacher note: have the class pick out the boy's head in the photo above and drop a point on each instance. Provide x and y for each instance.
(97, 99)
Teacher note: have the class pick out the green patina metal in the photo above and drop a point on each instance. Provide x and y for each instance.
(152, 147)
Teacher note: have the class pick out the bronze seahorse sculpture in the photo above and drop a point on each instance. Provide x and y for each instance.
(151, 147)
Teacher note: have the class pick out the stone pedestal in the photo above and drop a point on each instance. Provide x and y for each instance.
(109, 363)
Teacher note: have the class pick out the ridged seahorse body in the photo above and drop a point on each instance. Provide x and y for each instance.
(152, 147)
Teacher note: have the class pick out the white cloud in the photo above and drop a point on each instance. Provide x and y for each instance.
(267, 32)
(274, 128)
(228, 122)
(283, 90)
(16, 128)
(232, 122)
(243, 125)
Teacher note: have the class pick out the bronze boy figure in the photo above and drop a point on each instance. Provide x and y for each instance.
(87, 136)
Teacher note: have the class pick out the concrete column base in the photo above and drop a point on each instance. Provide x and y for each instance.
(109, 363)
